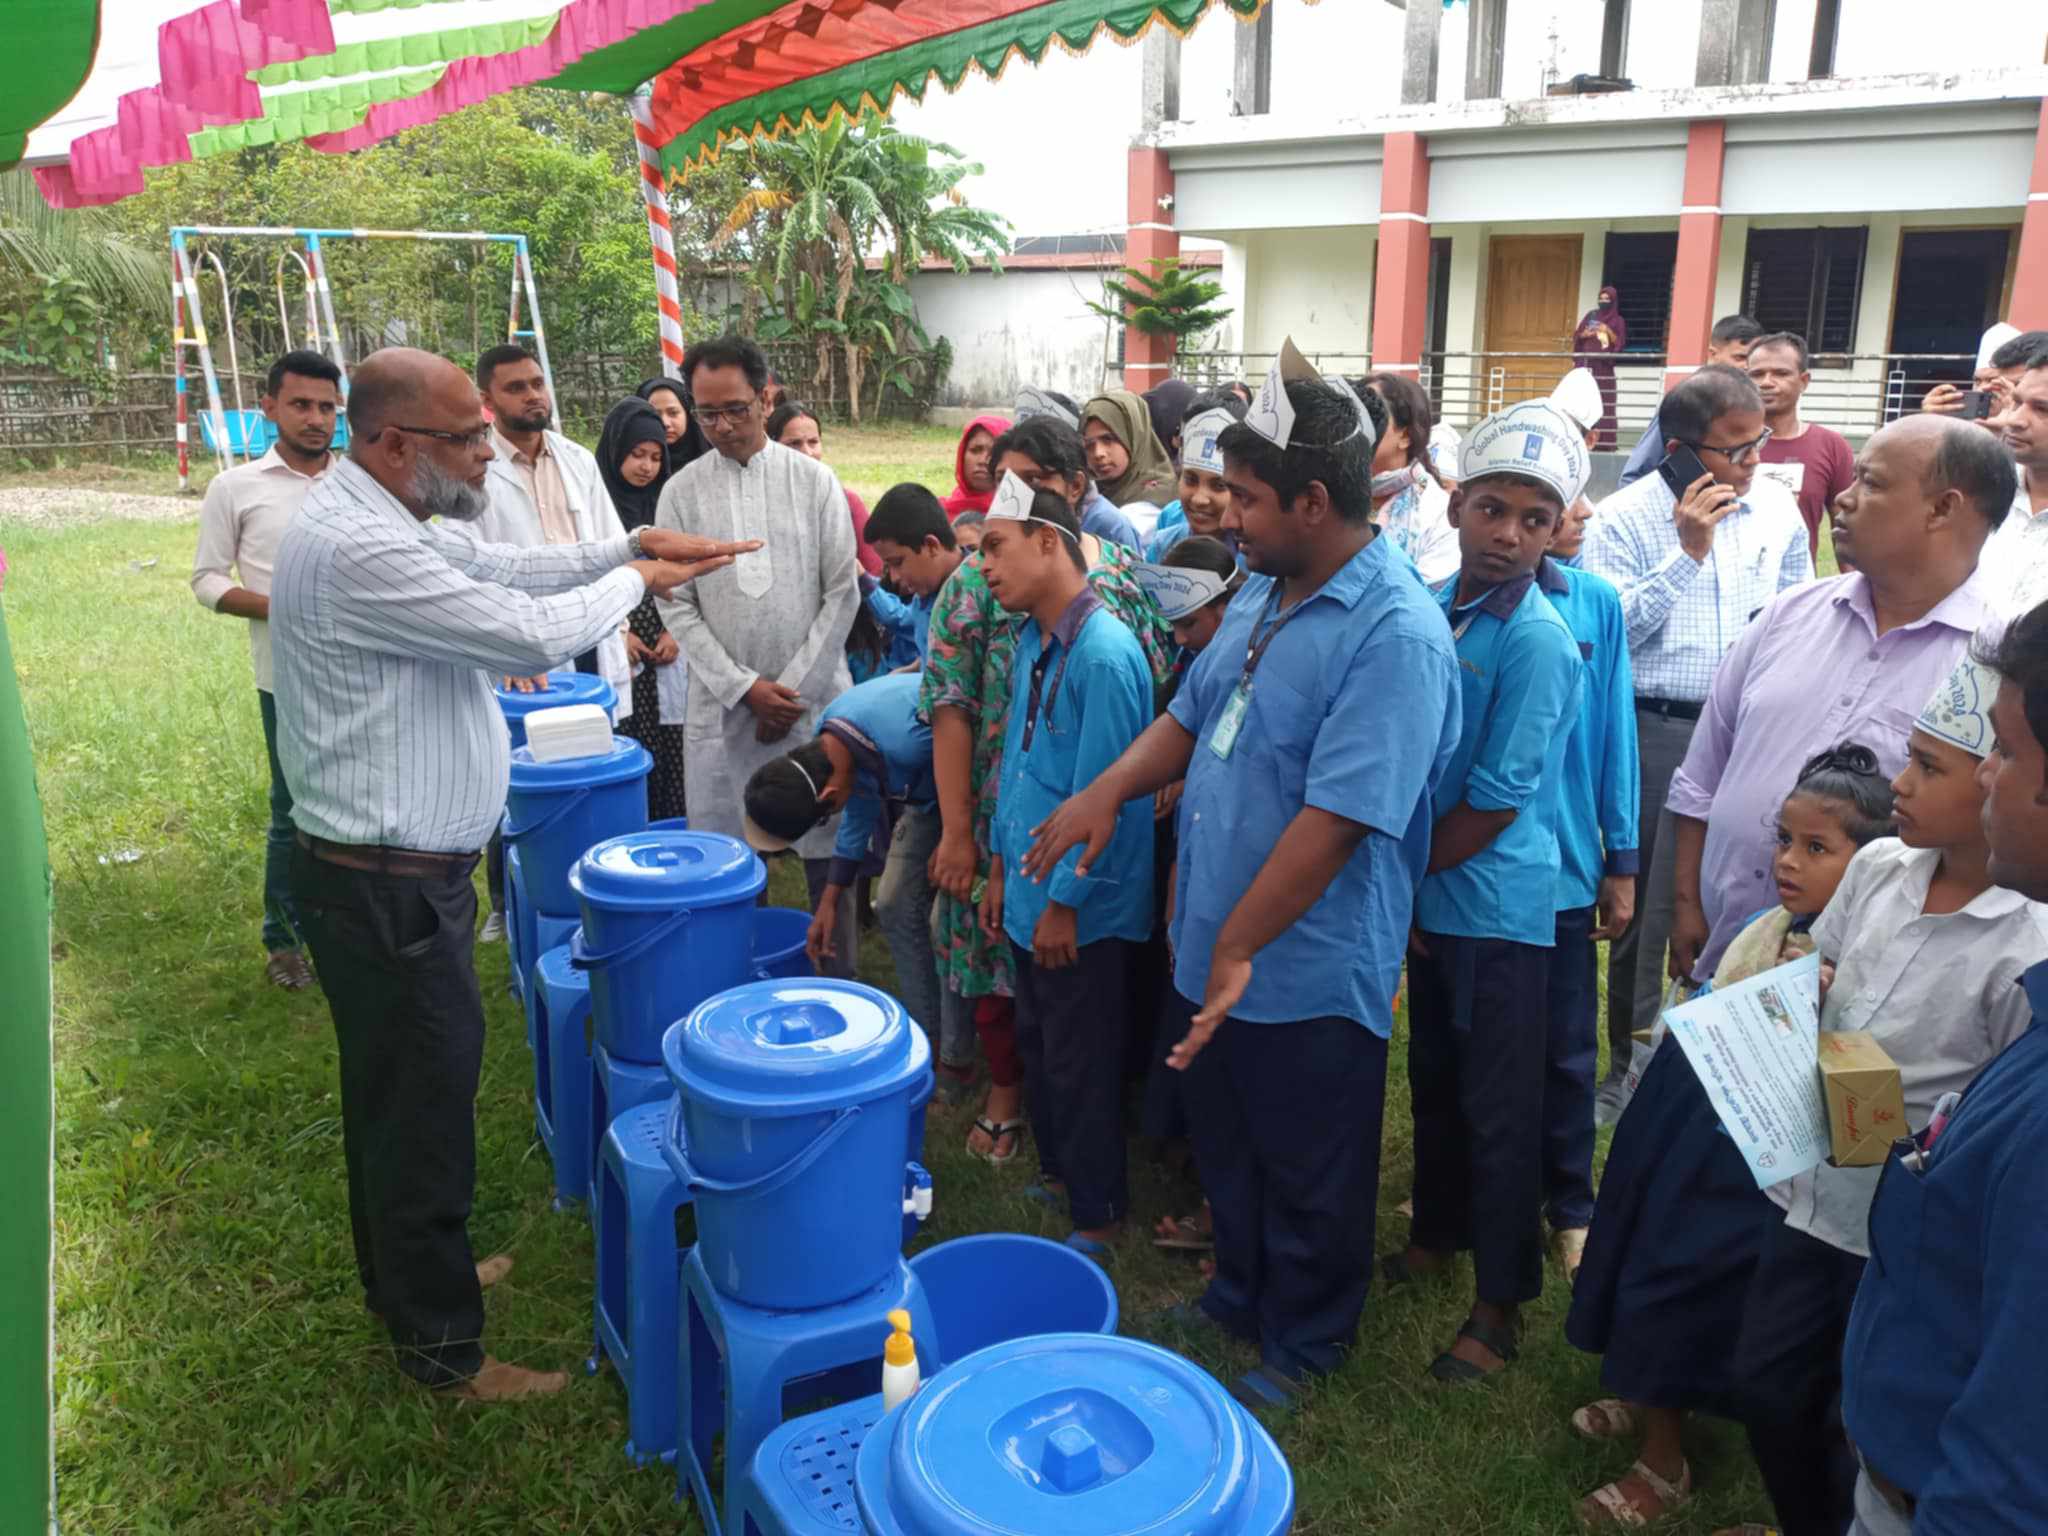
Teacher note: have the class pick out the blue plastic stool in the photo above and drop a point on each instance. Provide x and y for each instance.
(634, 1229)
(518, 934)
(800, 1482)
(544, 934)
(560, 1018)
(737, 1363)
(615, 1087)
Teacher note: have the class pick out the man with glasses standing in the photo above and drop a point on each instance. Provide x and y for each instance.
(766, 640)
(1693, 565)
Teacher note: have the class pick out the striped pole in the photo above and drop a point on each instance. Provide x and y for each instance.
(653, 191)
(178, 373)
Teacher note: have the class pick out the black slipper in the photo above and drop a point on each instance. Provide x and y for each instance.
(1454, 1370)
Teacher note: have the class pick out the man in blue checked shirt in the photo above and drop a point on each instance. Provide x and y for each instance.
(1080, 694)
(1486, 915)
(871, 760)
(1596, 892)
(1311, 731)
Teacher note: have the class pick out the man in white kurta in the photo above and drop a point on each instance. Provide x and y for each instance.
(766, 637)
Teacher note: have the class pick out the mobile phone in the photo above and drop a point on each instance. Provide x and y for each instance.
(1976, 404)
(1681, 467)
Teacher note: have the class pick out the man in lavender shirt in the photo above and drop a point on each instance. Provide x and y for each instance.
(1832, 661)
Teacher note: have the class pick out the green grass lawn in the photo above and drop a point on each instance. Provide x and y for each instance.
(216, 1371)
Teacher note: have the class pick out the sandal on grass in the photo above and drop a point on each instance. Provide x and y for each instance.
(1608, 1419)
(995, 1131)
(1396, 1270)
(1264, 1389)
(1185, 1234)
(1613, 1504)
(1455, 1370)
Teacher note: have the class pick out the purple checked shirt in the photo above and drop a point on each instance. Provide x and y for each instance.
(1808, 673)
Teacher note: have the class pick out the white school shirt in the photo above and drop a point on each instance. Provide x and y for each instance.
(243, 516)
(1941, 993)
(388, 634)
(1684, 614)
(2016, 556)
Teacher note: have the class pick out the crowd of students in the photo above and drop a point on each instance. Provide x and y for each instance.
(1189, 725)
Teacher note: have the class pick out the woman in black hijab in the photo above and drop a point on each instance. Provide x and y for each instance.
(686, 439)
(634, 457)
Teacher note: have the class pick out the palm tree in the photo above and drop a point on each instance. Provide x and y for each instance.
(40, 243)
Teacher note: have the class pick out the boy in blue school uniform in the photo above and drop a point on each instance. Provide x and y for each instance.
(871, 761)
(1486, 915)
(1312, 732)
(1596, 885)
(1080, 694)
(1943, 1393)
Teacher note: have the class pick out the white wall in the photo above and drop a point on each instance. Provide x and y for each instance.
(1925, 159)
(1312, 284)
(1029, 326)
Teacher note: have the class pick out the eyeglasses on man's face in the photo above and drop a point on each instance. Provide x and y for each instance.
(1738, 453)
(730, 415)
(473, 439)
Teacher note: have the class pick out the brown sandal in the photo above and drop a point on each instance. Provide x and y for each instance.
(1608, 1419)
(1613, 1504)
(288, 969)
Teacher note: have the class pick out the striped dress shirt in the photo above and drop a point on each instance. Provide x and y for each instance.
(385, 633)
(1683, 614)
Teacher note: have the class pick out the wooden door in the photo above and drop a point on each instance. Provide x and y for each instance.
(1532, 305)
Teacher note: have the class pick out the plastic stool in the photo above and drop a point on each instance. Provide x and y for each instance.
(617, 1085)
(561, 1072)
(518, 941)
(634, 1229)
(800, 1482)
(737, 1363)
(545, 934)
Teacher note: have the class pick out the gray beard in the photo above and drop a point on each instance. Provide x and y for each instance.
(440, 494)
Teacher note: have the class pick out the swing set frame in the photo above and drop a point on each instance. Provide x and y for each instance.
(185, 305)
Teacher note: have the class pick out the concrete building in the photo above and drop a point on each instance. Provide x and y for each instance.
(1888, 218)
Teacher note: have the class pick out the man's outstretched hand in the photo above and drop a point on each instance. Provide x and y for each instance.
(1089, 817)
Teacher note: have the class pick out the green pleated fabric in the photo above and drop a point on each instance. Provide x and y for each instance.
(50, 46)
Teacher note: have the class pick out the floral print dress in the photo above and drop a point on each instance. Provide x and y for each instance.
(972, 641)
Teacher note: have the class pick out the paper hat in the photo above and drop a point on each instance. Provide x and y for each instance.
(1960, 711)
(1578, 396)
(1534, 439)
(1198, 436)
(1272, 413)
(1012, 500)
(1994, 338)
(780, 805)
(1033, 401)
(1177, 591)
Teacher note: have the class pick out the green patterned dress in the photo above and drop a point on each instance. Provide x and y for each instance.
(972, 641)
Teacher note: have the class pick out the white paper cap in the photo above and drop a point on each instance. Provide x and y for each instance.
(1272, 413)
(1033, 401)
(1960, 711)
(1177, 591)
(1578, 396)
(1198, 436)
(1012, 500)
(1534, 439)
(1994, 338)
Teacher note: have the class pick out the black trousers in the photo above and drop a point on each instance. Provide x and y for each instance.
(394, 958)
(1285, 1122)
(1788, 1356)
(1571, 1067)
(1476, 1053)
(1070, 1032)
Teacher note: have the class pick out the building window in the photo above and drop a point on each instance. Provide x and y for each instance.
(1808, 281)
(1639, 267)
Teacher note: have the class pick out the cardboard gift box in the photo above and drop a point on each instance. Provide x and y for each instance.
(1866, 1105)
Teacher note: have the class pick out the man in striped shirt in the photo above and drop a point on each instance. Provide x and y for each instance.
(386, 630)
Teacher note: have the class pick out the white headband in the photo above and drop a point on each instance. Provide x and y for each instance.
(1534, 439)
(1994, 338)
(1012, 504)
(1272, 413)
(1177, 590)
(1198, 436)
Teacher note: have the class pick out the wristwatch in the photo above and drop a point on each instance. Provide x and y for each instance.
(633, 549)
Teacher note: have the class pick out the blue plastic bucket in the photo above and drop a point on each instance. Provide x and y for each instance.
(794, 1102)
(563, 688)
(997, 1286)
(554, 812)
(1071, 1434)
(779, 934)
(668, 920)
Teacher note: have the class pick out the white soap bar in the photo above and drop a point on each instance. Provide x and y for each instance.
(568, 730)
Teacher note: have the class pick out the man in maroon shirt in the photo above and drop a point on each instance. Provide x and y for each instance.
(1813, 462)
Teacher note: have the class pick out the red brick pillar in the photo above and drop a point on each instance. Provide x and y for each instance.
(1699, 251)
(1401, 281)
(2030, 278)
(1150, 236)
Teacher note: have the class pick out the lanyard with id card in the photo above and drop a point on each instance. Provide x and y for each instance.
(1223, 740)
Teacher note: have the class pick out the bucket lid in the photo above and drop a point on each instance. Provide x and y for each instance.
(792, 1045)
(562, 688)
(626, 760)
(663, 869)
(1073, 1435)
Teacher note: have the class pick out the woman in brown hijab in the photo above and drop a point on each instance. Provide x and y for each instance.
(1125, 457)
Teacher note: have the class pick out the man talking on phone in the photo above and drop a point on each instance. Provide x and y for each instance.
(1695, 549)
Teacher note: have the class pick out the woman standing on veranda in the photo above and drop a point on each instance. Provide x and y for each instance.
(1602, 333)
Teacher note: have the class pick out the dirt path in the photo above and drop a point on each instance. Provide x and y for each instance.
(45, 507)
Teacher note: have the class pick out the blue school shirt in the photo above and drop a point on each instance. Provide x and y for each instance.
(1648, 452)
(1354, 710)
(1942, 1388)
(1520, 676)
(1100, 516)
(1095, 699)
(1171, 528)
(1596, 816)
(892, 763)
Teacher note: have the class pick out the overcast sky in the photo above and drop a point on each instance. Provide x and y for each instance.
(1053, 138)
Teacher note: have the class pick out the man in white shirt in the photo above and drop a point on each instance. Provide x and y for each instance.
(1692, 570)
(766, 640)
(388, 629)
(241, 520)
(545, 489)
(2017, 556)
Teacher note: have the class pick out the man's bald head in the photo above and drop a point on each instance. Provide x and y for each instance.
(1952, 455)
(1928, 491)
(399, 386)
(417, 428)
